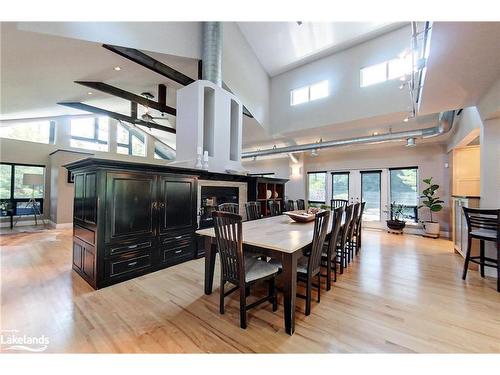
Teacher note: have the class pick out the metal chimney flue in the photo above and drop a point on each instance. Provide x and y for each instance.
(212, 52)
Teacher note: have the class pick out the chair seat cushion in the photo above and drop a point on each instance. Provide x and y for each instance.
(256, 269)
(301, 264)
(486, 233)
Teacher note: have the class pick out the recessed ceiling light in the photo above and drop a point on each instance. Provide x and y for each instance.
(89, 93)
(117, 68)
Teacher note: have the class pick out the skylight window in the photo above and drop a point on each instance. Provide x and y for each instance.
(309, 93)
(386, 71)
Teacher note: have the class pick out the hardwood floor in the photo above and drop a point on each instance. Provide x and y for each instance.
(403, 294)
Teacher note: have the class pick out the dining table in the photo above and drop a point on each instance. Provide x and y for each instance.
(278, 237)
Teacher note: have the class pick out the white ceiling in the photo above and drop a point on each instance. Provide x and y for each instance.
(281, 46)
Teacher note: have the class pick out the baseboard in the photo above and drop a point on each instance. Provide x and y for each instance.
(23, 223)
(60, 225)
(410, 230)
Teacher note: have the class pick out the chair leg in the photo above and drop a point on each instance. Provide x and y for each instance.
(467, 258)
(243, 307)
(481, 257)
(308, 295)
(221, 301)
(319, 286)
(498, 265)
(341, 261)
(273, 298)
(335, 268)
(328, 272)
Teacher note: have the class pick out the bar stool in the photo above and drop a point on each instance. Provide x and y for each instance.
(483, 225)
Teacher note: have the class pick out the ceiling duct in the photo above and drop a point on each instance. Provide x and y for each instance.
(212, 52)
(445, 122)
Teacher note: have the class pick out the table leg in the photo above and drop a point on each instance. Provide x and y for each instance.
(290, 290)
(209, 264)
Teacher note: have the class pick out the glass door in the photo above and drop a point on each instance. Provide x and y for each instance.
(371, 194)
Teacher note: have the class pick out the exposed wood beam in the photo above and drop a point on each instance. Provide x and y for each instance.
(116, 116)
(148, 62)
(133, 109)
(112, 90)
(157, 66)
(162, 94)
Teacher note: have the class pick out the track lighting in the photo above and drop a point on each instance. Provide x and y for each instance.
(410, 142)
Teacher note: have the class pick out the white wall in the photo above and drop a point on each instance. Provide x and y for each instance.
(466, 128)
(347, 101)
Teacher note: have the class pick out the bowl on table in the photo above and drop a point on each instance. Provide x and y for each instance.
(301, 216)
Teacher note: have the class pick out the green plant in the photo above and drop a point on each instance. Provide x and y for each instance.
(434, 204)
(397, 211)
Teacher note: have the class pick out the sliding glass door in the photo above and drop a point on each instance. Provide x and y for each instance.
(371, 194)
(340, 185)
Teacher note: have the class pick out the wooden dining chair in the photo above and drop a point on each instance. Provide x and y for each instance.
(301, 205)
(252, 210)
(483, 225)
(290, 205)
(329, 255)
(342, 251)
(234, 208)
(274, 208)
(357, 232)
(336, 203)
(237, 269)
(310, 266)
(352, 231)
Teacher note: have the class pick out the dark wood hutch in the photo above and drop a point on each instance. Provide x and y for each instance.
(133, 218)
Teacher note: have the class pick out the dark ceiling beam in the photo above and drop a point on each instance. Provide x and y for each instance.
(116, 116)
(148, 62)
(115, 91)
(157, 66)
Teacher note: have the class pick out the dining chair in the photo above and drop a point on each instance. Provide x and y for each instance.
(274, 208)
(310, 266)
(329, 255)
(301, 205)
(483, 225)
(289, 205)
(252, 210)
(237, 269)
(336, 203)
(234, 208)
(352, 231)
(357, 232)
(342, 252)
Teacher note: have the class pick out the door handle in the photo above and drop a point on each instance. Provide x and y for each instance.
(178, 251)
(131, 264)
(178, 237)
(132, 246)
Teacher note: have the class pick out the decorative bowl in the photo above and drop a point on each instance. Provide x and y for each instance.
(275, 194)
(269, 194)
(300, 216)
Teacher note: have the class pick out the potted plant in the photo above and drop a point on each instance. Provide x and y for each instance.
(396, 216)
(434, 204)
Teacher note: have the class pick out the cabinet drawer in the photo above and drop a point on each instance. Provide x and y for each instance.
(127, 265)
(177, 238)
(125, 247)
(172, 254)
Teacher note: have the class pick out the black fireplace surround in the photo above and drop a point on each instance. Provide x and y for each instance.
(211, 197)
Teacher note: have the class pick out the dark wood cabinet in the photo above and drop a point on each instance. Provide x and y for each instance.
(258, 188)
(128, 223)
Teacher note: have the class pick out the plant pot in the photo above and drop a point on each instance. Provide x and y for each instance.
(395, 225)
(431, 229)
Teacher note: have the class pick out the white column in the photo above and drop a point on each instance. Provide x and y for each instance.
(63, 132)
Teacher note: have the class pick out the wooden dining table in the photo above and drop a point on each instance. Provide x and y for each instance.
(278, 237)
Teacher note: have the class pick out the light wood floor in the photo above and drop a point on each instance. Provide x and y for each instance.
(402, 294)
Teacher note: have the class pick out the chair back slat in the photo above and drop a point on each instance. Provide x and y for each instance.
(274, 208)
(355, 213)
(252, 209)
(289, 205)
(301, 205)
(335, 233)
(229, 207)
(228, 235)
(478, 218)
(336, 203)
(320, 228)
(347, 222)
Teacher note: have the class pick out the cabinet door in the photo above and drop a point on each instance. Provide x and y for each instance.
(130, 209)
(90, 201)
(78, 209)
(177, 203)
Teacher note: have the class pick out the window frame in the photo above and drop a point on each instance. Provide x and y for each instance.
(52, 132)
(387, 71)
(308, 87)
(13, 201)
(379, 172)
(314, 201)
(415, 208)
(348, 181)
(132, 133)
(95, 139)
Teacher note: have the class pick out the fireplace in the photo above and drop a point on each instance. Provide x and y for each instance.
(211, 197)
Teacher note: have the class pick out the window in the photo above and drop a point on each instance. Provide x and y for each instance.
(316, 187)
(163, 152)
(340, 185)
(404, 190)
(370, 193)
(34, 131)
(130, 141)
(90, 133)
(309, 93)
(15, 192)
(386, 71)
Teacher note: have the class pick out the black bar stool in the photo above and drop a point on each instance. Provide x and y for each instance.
(483, 225)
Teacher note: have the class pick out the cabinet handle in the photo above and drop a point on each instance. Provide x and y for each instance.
(154, 205)
(162, 205)
(178, 251)
(132, 264)
(132, 246)
(178, 237)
